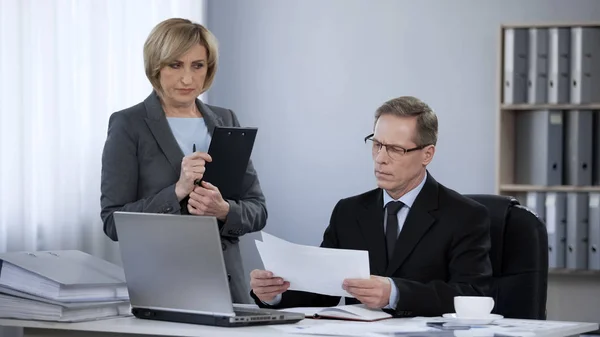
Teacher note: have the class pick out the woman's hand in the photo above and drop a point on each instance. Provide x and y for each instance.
(207, 200)
(192, 168)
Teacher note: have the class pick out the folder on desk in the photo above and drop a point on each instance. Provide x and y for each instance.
(516, 41)
(585, 65)
(18, 305)
(539, 147)
(577, 230)
(594, 232)
(536, 202)
(556, 221)
(578, 148)
(65, 276)
(559, 71)
(537, 84)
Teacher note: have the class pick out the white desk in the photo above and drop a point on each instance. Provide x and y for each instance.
(133, 327)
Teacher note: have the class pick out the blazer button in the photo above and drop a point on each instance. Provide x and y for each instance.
(168, 209)
(223, 246)
(229, 277)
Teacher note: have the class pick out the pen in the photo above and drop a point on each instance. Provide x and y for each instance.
(197, 181)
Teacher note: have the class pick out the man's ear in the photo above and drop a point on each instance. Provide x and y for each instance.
(428, 154)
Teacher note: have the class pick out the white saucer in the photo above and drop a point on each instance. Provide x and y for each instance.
(472, 320)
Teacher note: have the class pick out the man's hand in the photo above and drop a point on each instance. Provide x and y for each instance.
(265, 286)
(374, 292)
(207, 200)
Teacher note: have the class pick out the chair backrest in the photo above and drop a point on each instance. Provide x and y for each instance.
(519, 256)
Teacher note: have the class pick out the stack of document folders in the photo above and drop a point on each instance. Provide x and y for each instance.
(61, 286)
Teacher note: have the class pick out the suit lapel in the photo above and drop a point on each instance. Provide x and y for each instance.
(159, 126)
(370, 221)
(157, 122)
(417, 223)
(210, 117)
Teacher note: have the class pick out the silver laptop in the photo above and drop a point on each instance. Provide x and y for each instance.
(175, 272)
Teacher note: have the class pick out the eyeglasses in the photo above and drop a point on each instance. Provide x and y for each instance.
(394, 151)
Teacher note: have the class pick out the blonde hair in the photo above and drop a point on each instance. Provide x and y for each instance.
(172, 38)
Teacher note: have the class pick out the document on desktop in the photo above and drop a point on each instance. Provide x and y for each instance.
(312, 269)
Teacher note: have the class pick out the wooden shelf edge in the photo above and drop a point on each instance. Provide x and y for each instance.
(557, 271)
(551, 24)
(534, 188)
(515, 107)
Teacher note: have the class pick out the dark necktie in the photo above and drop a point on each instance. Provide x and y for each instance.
(391, 231)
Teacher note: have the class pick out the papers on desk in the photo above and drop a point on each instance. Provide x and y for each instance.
(354, 329)
(407, 327)
(312, 269)
(354, 312)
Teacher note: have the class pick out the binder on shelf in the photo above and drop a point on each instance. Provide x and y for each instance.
(537, 83)
(577, 230)
(594, 232)
(536, 202)
(539, 147)
(578, 148)
(585, 65)
(596, 148)
(556, 221)
(559, 71)
(516, 41)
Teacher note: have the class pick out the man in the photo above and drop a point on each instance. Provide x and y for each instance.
(426, 242)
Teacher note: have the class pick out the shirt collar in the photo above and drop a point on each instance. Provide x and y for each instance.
(407, 199)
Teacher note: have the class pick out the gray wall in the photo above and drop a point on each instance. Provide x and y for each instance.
(310, 74)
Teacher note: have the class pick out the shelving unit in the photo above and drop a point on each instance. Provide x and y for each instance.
(506, 133)
(512, 188)
(572, 293)
(554, 271)
(521, 107)
(506, 120)
(506, 150)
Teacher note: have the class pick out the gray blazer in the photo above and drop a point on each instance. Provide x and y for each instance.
(141, 163)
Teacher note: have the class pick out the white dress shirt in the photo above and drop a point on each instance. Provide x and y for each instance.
(408, 199)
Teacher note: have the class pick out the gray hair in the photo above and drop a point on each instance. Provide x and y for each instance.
(408, 106)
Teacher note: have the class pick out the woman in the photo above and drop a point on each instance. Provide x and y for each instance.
(155, 150)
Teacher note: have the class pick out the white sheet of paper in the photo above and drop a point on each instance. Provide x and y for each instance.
(313, 269)
(283, 244)
(272, 239)
(349, 329)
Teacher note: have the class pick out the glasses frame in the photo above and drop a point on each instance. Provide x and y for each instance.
(405, 150)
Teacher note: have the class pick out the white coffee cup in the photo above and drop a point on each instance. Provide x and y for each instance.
(473, 306)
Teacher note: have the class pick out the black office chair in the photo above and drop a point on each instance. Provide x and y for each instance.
(519, 256)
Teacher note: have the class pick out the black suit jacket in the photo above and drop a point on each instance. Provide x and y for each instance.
(441, 252)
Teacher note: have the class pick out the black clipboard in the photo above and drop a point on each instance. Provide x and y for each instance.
(230, 149)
